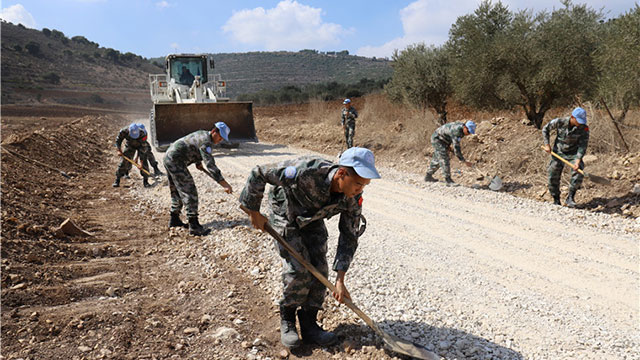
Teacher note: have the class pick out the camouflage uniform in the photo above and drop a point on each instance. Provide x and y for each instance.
(131, 146)
(571, 143)
(442, 138)
(185, 151)
(300, 199)
(348, 121)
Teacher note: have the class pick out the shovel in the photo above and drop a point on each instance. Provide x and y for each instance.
(495, 183)
(595, 178)
(392, 342)
(136, 165)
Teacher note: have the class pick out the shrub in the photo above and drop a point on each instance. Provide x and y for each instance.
(33, 48)
(51, 78)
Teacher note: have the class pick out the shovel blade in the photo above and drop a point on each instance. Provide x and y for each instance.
(597, 179)
(495, 184)
(405, 347)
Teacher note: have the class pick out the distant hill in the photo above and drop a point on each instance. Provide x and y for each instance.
(36, 61)
(255, 71)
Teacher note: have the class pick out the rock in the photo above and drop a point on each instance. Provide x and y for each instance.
(616, 175)
(283, 354)
(84, 348)
(18, 287)
(179, 346)
(257, 342)
(191, 331)
(444, 345)
(111, 292)
(225, 333)
(238, 321)
(255, 272)
(636, 189)
(245, 344)
(68, 227)
(205, 319)
(614, 203)
(589, 158)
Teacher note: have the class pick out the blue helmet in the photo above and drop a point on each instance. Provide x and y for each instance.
(346, 101)
(361, 160)
(134, 131)
(471, 126)
(580, 115)
(223, 129)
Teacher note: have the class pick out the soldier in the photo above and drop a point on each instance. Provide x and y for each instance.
(306, 191)
(185, 151)
(146, 147)
(348, 121)
(441, 140)
(136, 137)
(571, 143)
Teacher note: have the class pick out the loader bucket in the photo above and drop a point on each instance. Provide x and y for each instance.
(169, 122)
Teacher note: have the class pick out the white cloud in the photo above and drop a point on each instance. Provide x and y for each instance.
(17, 14)
(288, 26)
(425, 21)
(162, 4)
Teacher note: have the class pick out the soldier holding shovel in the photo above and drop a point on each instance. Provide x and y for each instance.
(305, 192)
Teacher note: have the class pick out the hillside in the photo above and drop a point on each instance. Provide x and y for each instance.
(80, 72)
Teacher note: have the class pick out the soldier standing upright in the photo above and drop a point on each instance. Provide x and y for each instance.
(136, 137)
(192, 148)
(444, 137)
(571, 143)
(306, 191)
(348, 121)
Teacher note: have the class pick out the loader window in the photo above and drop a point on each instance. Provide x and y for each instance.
(184, 71)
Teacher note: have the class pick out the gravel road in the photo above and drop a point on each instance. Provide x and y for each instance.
(470, 274)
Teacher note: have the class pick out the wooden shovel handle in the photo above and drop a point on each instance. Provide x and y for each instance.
(562, 159)
(137, 165)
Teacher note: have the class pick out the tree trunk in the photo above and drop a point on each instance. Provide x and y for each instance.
(441, 110)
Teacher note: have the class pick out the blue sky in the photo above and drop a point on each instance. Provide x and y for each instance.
(154, 28)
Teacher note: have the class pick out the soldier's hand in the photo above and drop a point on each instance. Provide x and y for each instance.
(547, 148)
(576, 166)
(226, 186)
(120, 152)
(199, 166)
(257, 220)
(341, 291)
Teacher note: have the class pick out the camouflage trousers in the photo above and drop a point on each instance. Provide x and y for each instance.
(555, 173)
(124, 167)
(182, 187)
(150, 157)
(440, 159)
(349, 132)
(300, 287)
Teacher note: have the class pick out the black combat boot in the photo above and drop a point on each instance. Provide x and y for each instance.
(117, 182)
(195, 228)
(145, 182)
(429, 178)
(157, 171)
(175, 221)
(556, 199)
(126, 176)
(450, 182)
(288, 334)
(311, 332)
(569, 201)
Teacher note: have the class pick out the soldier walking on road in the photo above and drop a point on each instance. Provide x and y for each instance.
(306, 191)
(136, 137)
(571, 143)
(348, 121)
(190, 149)
(444, 137)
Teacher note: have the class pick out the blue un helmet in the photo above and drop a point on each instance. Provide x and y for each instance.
(471, 126)
(134, 131)
(361, 160)
(580, 115)
(223, 129)
(346, 101)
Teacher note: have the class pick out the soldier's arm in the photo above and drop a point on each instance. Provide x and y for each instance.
(583, 142)
(349, 226)
(546, 130)
(275, 174)
(456, 148)
(205, 153)
(120, 138)
(355, 113)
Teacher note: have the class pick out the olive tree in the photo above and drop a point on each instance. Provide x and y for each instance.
(501, 59)
(618, 60)
(421, 78)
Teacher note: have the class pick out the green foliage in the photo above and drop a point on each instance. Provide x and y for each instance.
(88, 58)
(17, 47)
(112, 55)
(618, 61)
(51, 78)
(96, 99)
(46, 32)
(325, 91)
(421, 78)
(68, 53)
(33, 48)
(502, 60)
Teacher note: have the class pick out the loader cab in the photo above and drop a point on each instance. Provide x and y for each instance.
(183, 69)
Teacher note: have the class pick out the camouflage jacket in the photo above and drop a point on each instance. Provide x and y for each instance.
(194, 148)
(301, 194)
(570, 140)
(131, 142)
(348, 115)
(450, 134)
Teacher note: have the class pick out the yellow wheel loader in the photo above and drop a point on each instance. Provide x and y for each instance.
(190, 97)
